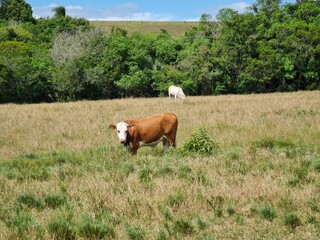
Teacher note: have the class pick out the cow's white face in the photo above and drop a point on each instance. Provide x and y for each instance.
(122, 130)
(181, 95)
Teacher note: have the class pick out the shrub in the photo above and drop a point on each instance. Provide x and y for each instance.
(128, 168)
(29, 201)
(54, 201)
(185, 172)
(166, 213)
(94, 229)
(23, 222)
(135, 233)
(200, 143)
(300, 172)
(274, 143)
(162, 234)
(166, 170)
(145, 174)
(183, 226)
(201, 223)
(293, 181)
(218, 212)
(316, 165)
(264, 143)
(267, 212)
(60, 227)
(176, 199)
(230, 209)
(292, 220)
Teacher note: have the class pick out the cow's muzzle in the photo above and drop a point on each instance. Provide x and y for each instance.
(122, 141)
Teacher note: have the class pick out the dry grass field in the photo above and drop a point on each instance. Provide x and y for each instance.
(63, 175)
(175, 29)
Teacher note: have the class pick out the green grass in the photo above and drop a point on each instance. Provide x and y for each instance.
(177, 216)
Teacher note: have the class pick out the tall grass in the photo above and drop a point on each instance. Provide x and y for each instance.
(63, 173)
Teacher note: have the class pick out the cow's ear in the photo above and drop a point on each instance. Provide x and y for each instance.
(112, 126)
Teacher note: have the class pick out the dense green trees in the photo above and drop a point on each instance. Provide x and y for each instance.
(271, 47)
(17, 10)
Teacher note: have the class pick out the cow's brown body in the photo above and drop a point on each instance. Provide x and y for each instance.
(150, 131)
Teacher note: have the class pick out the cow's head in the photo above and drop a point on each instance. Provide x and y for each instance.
(181, 95)
(122, 130)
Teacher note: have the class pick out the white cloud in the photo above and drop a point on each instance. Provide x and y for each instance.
(47, 11)
(197, 19)
(74, 8)
(240, 7)
(44, 11)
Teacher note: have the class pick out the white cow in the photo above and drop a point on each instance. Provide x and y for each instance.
(176, 92)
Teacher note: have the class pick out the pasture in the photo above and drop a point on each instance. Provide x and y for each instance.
(63, 174)
(175, 29)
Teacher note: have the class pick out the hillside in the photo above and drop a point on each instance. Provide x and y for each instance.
(176, 29)
(64, 175)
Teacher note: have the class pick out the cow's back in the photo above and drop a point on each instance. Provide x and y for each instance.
(152, 128)
(169, 122)
(173, 90)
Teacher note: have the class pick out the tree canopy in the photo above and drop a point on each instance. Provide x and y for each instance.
(17, 10)
(271, 47)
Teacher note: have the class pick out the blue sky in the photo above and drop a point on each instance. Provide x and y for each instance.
(139, 10)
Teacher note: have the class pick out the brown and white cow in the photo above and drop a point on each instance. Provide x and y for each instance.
(149, 131)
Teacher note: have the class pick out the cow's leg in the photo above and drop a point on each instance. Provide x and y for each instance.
(171, 140)
(165, 143)
(134, 149)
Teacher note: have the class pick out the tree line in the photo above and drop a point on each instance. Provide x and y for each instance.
(270, 47)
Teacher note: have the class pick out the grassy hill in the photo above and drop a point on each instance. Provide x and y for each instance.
(63, 174)
(176, 29)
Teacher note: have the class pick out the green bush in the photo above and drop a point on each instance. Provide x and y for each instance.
(60, 227)
(200, 143)
(29, 201)
(54, 201)
(176, 199)
(293, 181)
(22, 222)
(230, 209)
(135, 233)
(162, 234)
(201, 224)
(218, 212)
(267, 212)
(271, 143)
(184, 171)
(145, 174)
(183, 226)
(167, 213)
(291, 220)
(316, 165)
(94, 229)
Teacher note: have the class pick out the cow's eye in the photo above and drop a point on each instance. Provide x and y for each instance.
(126, 131)
(118, 131)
